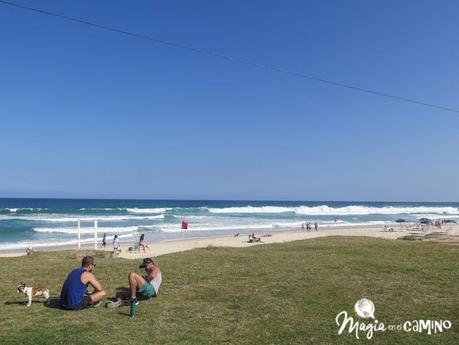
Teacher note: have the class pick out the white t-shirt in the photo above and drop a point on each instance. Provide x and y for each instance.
(116, 243)
(157, 281)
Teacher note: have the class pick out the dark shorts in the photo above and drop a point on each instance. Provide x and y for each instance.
(85, 302)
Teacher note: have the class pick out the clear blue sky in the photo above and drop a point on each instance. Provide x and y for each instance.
(89, 113)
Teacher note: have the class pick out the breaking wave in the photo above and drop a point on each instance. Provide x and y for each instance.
(147, 210)
(325, 210)
(9, 210)
(61, 219)
(49, 244)
(87, 230)
(260, 226)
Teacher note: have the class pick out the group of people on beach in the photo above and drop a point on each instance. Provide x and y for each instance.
(439, 223)
(75, 296)
(308, 227)
(253, 238)
(117, 246)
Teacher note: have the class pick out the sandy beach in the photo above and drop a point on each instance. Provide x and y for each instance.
(157, 249)
(167, 247)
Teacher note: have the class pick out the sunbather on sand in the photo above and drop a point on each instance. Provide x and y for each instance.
(253, 238)
(388, 229)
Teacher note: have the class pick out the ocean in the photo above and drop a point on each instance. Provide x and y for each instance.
(53, 222)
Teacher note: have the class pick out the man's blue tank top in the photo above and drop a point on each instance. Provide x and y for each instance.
(73, 290)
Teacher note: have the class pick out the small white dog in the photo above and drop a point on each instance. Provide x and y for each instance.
(31, 291)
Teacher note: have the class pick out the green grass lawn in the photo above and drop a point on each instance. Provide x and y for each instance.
(270, 294)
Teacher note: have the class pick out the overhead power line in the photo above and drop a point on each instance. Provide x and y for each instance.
(229, 58)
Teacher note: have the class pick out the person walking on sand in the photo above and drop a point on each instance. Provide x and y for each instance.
(104, 240)
(142, 242)
(116, 244)
(74, 294)
(141, 287)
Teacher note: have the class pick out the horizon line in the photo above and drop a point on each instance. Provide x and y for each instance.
(204, 199)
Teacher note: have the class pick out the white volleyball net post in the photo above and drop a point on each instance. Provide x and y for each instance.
(95, 234)
(78, 233)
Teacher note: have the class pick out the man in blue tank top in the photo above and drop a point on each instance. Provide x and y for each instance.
(73, 294)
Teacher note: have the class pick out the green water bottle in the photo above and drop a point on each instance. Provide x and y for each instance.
(133, 311)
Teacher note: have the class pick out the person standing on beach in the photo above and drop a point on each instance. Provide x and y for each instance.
(316, 226)
(116, 244)
(104, 240)
(74, 294)
(142, 242)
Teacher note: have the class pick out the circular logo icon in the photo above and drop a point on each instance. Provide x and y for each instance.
(365, 308)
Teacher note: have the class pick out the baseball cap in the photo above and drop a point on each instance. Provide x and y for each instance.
(145, 262)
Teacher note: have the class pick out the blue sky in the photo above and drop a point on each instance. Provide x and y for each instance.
(90, 113)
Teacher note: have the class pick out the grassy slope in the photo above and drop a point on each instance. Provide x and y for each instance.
(272, 294)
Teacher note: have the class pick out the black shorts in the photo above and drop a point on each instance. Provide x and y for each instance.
(85, 302)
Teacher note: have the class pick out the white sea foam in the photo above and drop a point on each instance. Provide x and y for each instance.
(36, 244)
(346, 224)
(87, 230)
(64, 219)
(253, 209)
(147, 210)
(176, 228)
(259, 226)
(14, 210)
(102, 209)
(325, 210)
(129, 210)
(364, 210)
(435, 216)
(188, 217)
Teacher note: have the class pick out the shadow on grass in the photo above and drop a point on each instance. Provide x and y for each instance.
(121, 292)
(123, 313)
(22, 303)
(53, 303)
